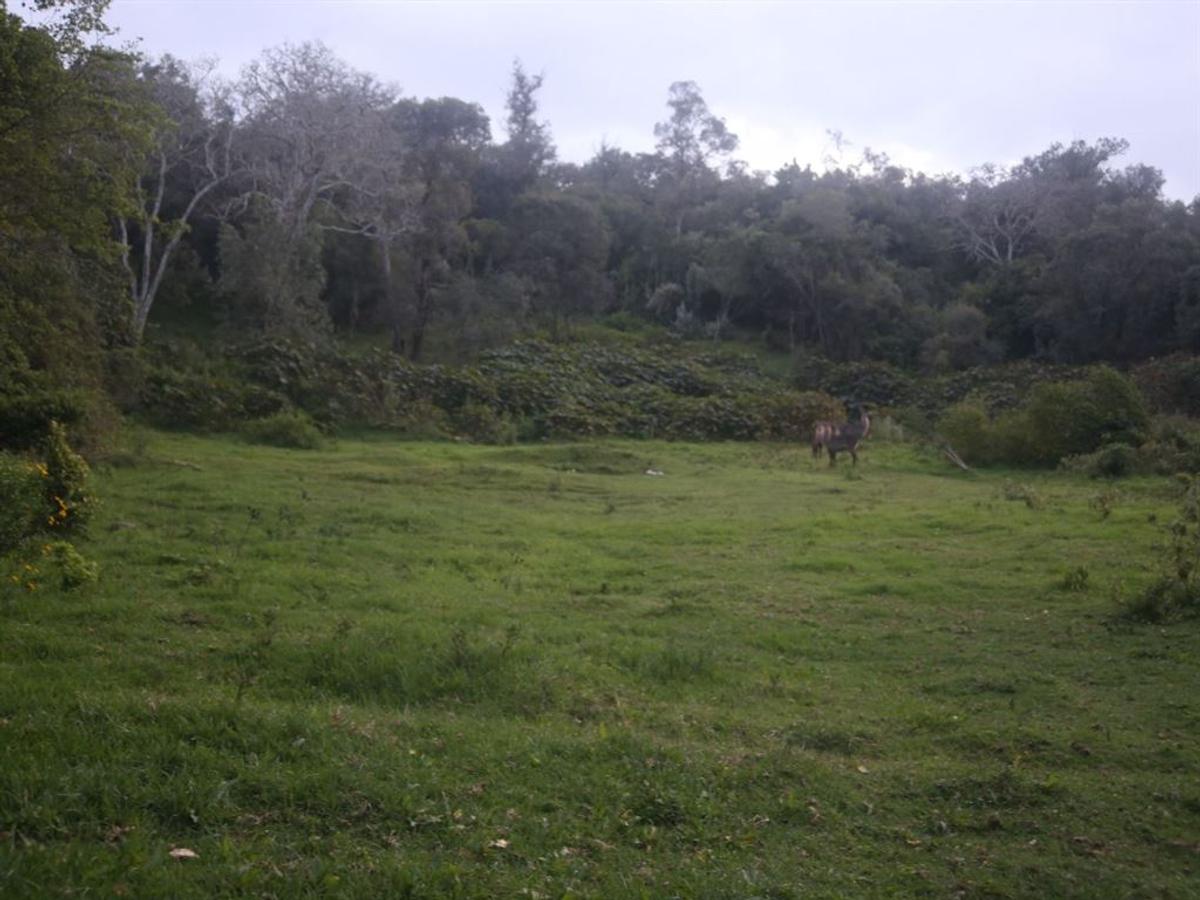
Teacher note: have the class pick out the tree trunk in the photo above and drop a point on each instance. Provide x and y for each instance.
(423, 311)
(391, 301)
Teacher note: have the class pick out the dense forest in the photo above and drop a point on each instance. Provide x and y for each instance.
(307, 200)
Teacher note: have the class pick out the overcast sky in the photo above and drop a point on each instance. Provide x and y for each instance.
(937, 86)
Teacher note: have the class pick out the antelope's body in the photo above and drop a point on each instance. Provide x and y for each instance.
(838, 437)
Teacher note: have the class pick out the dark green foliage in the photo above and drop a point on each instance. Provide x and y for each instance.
(287, 428)
(72, 131)
(26, 412)
(1081, 416)
(52, 342)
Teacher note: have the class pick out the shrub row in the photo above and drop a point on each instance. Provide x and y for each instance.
(879, 384)
(526, 390)
(1023, 413)
(1170, 385)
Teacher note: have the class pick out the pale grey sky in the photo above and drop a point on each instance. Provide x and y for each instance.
(939, 86)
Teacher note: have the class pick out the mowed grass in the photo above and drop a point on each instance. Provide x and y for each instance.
(397, 669)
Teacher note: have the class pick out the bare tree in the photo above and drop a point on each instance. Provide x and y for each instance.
(192, 156)
(309, 121)
(382, 203)
(998, 216)
(306, 113)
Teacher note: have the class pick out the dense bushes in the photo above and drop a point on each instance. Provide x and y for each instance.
(1173, 447)
(1059, 420)
(1022, 414)
(1171, 384)
(197, 401)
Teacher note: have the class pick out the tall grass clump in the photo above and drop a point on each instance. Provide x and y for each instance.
(1175, 592)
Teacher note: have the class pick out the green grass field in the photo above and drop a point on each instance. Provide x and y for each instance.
(392, 669)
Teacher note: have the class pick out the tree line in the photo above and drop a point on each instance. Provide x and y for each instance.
(306, 197)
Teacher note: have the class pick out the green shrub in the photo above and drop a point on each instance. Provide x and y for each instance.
(1110, 461)
(1082, 416)
(1023, 493)
(74, 571)
(292, 429)
(968, 430)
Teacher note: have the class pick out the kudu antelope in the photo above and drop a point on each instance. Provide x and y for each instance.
(838, 436)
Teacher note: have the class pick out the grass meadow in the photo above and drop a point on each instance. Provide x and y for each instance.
(386, 669)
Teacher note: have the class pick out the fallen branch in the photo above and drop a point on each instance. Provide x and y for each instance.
(949, 453)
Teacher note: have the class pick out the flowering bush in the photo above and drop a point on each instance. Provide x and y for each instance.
(39, 503)
(68, 497)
